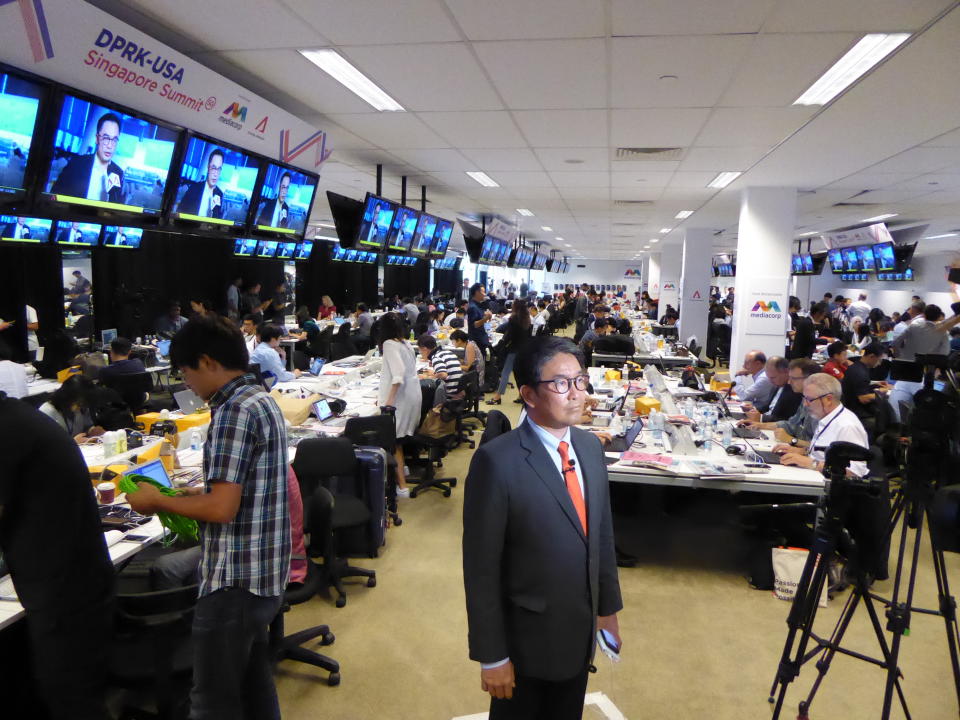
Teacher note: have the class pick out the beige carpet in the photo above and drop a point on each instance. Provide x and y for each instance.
(698, 641)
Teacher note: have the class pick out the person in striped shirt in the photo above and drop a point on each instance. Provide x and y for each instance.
(444, 365)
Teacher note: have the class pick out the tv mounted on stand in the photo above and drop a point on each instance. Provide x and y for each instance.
(284, 200)
(376, 222)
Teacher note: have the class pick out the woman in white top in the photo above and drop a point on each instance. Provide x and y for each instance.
(399, 387)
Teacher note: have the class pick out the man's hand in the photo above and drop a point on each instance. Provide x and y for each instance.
(611, 625)
(796, 459)
(297, 373)
(783, 448)
(752, 415)
(145, 500)
(604, 438)
(782, 435)
(498, 681)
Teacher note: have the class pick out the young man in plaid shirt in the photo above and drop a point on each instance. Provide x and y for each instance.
(244, 524)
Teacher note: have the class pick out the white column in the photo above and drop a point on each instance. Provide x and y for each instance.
(695, 280)
(671, 257)
(653, 275)
(760, 317)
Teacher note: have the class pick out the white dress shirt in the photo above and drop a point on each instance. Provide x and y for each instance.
(205, 199)
(95, 189)
(840, 425)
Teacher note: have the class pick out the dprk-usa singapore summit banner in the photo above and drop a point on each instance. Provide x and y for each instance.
(74, 43)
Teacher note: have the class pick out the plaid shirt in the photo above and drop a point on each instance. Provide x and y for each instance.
(247, 444)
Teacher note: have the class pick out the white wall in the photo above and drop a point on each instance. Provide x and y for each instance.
(597, 272)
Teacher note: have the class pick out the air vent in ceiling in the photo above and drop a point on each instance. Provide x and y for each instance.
(856, 204)
(648, 154)
(631, 203)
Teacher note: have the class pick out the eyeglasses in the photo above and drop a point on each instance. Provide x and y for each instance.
(108, 139)
(562, 385)
(810, 401)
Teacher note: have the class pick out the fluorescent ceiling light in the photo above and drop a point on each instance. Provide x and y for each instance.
(546, 228)
(937, 237)
(808, 234)
(524, 212)
(880, 218)
(334, 64)
(558, 239)
(664, 231)
(870, 50)
(654, 240)
(323, 224)
(724, 179)
(483, 178)
(325, 237)
(646, 247)
(567, 245)
(683, 214)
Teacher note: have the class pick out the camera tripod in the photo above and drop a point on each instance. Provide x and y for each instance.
(911, 505)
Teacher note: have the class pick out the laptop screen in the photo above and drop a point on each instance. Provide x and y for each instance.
(321, 409)
(153, 470)
(632, 433)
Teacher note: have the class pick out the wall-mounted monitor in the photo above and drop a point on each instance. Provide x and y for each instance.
(885, 257)
(503, 254)
(851, 260)
(423, 236)
(338, 254)
(78, 234)
(441, 238)
(286, 249)
(14, 228)
(19, 108)
(865, 258)
(107, 159)
(539, 261)
(796, 265)
(376, 221)
(488, 251)
(410, 261)
(122, 237)
(216, 183)
(835, 258)
(266, 248)
(908, 274)
(402, 229)
(304, 250)
(350, 255)
(284, 201)
(245, 247)
(808, 266)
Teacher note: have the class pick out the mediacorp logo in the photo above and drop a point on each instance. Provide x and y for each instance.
(763, 309)
(233, 112)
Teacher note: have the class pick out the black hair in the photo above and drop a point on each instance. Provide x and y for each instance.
(601, 323)
(461, 336)
(108, 117)
(932, 312)
(252, 317)
(835, 348)
(474, 288)
(285, 175)
(361, 307)
(456, 322)
(874, 348)
(268, 332)
(216, 151)
(536, 353)
(213, 336)
(303, 314)
(391, 328)
(427, 341)
(818, 308)
(76, 390)
(121, 346)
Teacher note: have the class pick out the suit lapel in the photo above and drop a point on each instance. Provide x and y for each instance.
(543, 466)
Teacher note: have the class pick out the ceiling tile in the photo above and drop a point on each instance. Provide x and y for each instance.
(555, 159)
(497, 159)
(555, 73)
(752, 126)
(434, 160)
(377, 22)
(581, 179)
(339, 138)
(398, 130)
(475, 129)
(950, 139)
(700, 159)
(438, 76)
(656, 127)
(700, 68)
(688, 17)
(640, 179)
(692, 180)
(919, 160)
(564, 128)
(852, 15)
(512, 20)
(522, 179)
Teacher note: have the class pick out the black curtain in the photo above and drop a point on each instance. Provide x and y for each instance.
(447, 282)
(345, 283)
(406, 281)
(30, 275)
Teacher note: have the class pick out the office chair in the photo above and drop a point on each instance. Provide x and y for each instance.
(320, 346)
(434, 448)
(497, 424)
(133, 388)
(470, 385)
(331, 463)
(317, 518)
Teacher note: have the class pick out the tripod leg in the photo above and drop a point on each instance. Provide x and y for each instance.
(948, 608)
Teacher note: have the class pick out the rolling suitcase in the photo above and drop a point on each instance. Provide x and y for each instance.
(373, 461)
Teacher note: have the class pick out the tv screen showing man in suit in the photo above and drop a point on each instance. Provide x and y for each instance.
(106, 156)
(78, 233)
(19, 103)
(122, 237)
(285, 199)
(25, 229)
(216, 183)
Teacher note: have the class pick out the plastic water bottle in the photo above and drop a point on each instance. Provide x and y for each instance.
(656, 426)
(625, 373)
(196, 441)
(726, 435)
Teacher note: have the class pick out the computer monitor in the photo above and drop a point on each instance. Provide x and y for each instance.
(108, 336)
(376, 222)
(808, 264)
(423, 236)
(122, 237)
(153, 470)
(441, 238)
(885, 257)
(244, 247)
(835, 258)
(303, 251)
(266, 248)
(402, 229)
(78, 233)
(866, 258)
(796, 265)
(19, 108)
(286, 250)
(851, 259)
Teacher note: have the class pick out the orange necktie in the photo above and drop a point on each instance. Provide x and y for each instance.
(573, 485)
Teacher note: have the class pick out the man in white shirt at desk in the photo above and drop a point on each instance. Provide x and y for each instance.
(268, 357)
(821, 395)
(752, 383)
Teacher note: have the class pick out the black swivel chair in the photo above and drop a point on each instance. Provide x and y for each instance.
(434, 448)
(497, 424)
(133, 388)
(331, 463)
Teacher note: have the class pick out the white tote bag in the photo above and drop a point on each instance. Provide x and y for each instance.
(788, 565)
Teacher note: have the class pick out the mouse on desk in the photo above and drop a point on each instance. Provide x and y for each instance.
(734, 450)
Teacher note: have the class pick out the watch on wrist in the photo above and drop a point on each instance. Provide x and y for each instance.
(793, 442)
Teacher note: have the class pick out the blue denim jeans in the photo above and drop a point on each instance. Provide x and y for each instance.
(505, 373)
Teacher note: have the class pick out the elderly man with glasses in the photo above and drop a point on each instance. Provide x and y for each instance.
(821, 396)
(798, 429)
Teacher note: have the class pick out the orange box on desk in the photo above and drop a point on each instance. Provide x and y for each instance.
(183, 423)
(643, 405)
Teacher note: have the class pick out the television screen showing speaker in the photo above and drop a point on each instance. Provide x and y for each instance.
(338, 254)
(796, 264)
(285, 198)
(807, 262)
(402, 229)
(19, 106)
(106, 158)
(423, 236)
(851, 259)
(376, 221)
(14, 228)
(216, 183)
(122, 237)
(441, 238)
(884, 256)
(304, 249)
(835, 258)
(286, 249)
(244, 247)
(78, 233)
(866, 259)
(267, 248)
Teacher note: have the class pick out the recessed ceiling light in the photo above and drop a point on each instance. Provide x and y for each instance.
(483, 178)
(546, 228)
(646, 247)
(723, 179)
(524, 212)
(573, 161)
(870, 50)
(567, 245)
(664, 231)
(654, 240)
(325, 224)
(937, 237)
(683, 214)
(880, 218)
(334, 64)
(558, 239)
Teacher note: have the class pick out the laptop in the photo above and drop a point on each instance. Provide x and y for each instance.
(769, 457)
(622, 444)
(153, 470)
(321, 408)
(726, 411)
(747, 433)
(108, 336)
(188, 401)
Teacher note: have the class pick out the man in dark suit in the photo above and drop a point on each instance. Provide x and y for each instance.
(804, 339)
(96, 176)
(17, 230)
(539, 565)
(272, 215)
(205, 198)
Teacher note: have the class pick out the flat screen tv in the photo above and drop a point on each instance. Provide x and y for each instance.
(851, 260)
(244, 247)
(19, 109)
(908, 274)
(304, 249)
(487, 251)
(107, 159)
(350, 255)
(521, 258)
(817, 262)
(904, 255)
(865, 255)
(423, 236)
(14, 228)
(404, 225)
(796, 265)
(807, 262)
(539, 261)
(117, 236)
(503, 254)
(284, 201)
(216, 183)
(376, 222)
(338, 254)
(347, 214)
(79, 234)
(286, 249)
(441, 238)
(886, 259)
(835, 258)
(266, 248)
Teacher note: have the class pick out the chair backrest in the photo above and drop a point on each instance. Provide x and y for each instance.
(497, 424)
(132, 387)
(254, 369)
(155, 609)
(375, 430)
(470, 386)
(330, 463)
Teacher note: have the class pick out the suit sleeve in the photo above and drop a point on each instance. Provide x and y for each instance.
(485, 508)
(609, 600)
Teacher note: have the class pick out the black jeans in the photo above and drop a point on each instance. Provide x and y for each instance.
(535, 699)
(232, 664)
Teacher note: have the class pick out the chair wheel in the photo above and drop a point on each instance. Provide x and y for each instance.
(398, 521)
(413, 493)
(446, 493)
(328, 639)
(341, 601)
(453, 482)
(333, 680)
(371, 582)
